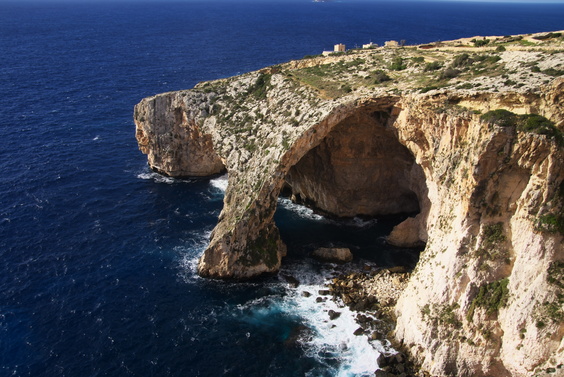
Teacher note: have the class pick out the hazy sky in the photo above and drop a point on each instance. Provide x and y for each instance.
(343, 1)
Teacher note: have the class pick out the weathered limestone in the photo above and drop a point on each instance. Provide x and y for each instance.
(406, 234)
(168, 134)
(488, 186)
(480, 191)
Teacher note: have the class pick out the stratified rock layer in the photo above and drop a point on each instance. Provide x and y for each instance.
(482, 192)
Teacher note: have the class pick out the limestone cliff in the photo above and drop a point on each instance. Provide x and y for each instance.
(390, 131)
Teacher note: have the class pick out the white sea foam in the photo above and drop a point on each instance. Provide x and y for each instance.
(219, 183)
(327, 340)
(190, 255)
(300, 210)
(332, 338)
(362, 223)
(307, 213)
(149, 175)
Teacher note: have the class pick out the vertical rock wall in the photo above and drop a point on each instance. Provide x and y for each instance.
(167, 131)
(488, 188)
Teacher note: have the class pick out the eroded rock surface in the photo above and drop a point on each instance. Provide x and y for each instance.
(489, 196)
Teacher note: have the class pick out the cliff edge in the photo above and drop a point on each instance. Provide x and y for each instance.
(467, 137)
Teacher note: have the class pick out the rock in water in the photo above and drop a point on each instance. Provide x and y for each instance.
(333, 314)
(338, 255)
(292, 281)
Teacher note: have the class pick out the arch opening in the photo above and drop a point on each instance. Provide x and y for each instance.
(360, 177)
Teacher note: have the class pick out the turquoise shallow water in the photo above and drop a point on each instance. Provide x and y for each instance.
(97, 254)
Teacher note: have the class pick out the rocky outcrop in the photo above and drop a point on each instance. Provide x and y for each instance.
(486, 295)
(168, 134)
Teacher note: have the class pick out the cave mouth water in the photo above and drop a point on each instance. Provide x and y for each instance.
(355, 186)
(303, 230)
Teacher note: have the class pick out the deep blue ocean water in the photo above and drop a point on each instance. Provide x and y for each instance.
(98, 254)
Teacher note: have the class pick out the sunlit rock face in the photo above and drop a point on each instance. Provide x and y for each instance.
(171, 139)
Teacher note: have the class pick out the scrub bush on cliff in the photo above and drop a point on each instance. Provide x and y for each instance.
(398, 64)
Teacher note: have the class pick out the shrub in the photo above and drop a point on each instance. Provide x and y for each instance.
(447, 315)
(540, 125)
(492, 297)
(533, 123)
(449, 73)
(500, 48)
(500, 117)
(462, 60)
(480, 42)
(433, 66)
(553, 72)
(261, 86)
(493, 59)
(551, 223)
(536, 123)
(547, 36)
(428, 88)
(346, 88)
(556, 274)
(380, 77)
(398, 64)
(466, 85)
(493, 234)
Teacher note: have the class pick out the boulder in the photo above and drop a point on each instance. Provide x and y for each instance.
(333, 254)
(334, 315)
(359, 331)
(406, 234)
(292, 281)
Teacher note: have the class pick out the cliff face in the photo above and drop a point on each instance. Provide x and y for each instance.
(486, 281)
(173, 142)
(487, 296)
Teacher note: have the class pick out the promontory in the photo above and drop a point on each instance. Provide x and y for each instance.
(466, 135)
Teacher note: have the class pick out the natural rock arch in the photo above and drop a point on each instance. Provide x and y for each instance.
(355, 149)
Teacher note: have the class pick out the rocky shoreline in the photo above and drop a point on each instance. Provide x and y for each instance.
(373, 294)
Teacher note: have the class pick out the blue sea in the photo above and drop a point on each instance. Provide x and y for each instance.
(98, 254)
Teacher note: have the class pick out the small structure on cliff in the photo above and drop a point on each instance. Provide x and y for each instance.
(370, 45)
(336, 49)
(339, 48)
